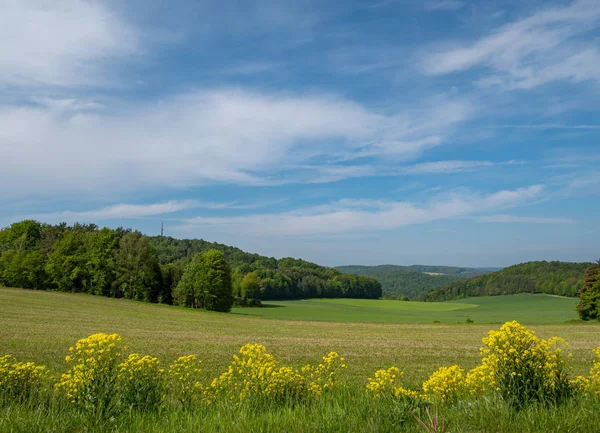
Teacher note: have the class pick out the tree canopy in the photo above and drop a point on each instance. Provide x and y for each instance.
(124, 263)
(554, 278)
(206, 283)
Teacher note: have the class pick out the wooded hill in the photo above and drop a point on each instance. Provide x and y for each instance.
(123, 263)
(554, 278)
(401, 282)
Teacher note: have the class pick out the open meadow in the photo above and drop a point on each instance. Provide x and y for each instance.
(40, 326)
(525, 308)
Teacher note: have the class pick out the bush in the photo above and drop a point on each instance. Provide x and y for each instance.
(446, 384)
(386, 383)
(256, 374)
(525, 368)
(21, 381)
(184, 375)
(141, 382)
(590, 385)
(91, 383)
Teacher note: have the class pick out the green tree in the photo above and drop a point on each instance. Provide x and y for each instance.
(206, 283)
(138, 271)
(589, 296)
(102, 246)
(21, 236)
(24, 269)
(250, 286)
(67, 267)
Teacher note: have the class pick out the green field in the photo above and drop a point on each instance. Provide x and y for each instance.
(40, 326)
(526, 308)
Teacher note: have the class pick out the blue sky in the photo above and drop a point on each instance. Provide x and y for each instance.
(368, 132)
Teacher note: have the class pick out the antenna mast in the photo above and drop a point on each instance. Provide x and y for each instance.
(162, 231)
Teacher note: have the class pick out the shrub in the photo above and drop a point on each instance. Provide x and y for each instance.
(480, 380)
(91, 383)
(446, 384)
(324, 376)
(525, 368)
(141, 382)
(20, 381)
(257, 374)
(386, 383)
(591, 384)
(185, 376)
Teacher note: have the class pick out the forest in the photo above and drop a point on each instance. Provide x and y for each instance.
(408, 282)
(554, 278)
(123, 263)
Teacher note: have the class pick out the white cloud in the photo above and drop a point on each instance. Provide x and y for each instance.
(454, 166)
(61, 42)
(352, 216)
(522, 219)
(544, 47)
(550, 126)
(444, 5)
(227, 135)
(123, 211)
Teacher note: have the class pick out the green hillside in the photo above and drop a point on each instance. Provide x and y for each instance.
(526, 308)
(554, 278)
(122, 263)
(410, 281)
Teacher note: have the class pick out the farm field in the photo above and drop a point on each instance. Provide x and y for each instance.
(40, 326)
(526, 308)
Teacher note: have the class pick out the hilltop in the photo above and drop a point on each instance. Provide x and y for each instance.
(410, 281)
(553, 278)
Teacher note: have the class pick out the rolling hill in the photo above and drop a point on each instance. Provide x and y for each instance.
(553, 278)
(411, 281)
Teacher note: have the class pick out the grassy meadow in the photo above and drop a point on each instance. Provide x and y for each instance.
(526, 308)
(40, 326)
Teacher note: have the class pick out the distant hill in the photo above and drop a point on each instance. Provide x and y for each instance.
(411, 281)
(554, 278)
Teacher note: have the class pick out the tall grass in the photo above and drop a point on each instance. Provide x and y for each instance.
(345, 410)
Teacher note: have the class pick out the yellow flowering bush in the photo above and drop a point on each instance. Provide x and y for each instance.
(91, 382)
(21, 380)
(594, 386)
(324, 376)
(141, 382)
(256, 373)
(523, 367)
(184, 377)
(480, 380)
(386, 383)
(446, 384)
(591, 384)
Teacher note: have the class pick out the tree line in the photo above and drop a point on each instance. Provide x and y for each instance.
(408, 282)
(123, 263)
(554, 278)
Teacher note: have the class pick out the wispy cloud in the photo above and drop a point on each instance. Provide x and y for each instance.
(133, 211)
(544, 47)
(123, 211)
(444, 5)
(352, 216)
(549, 126)
(523, 219)
(455, 166)
(64, 43)
(227, 136)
